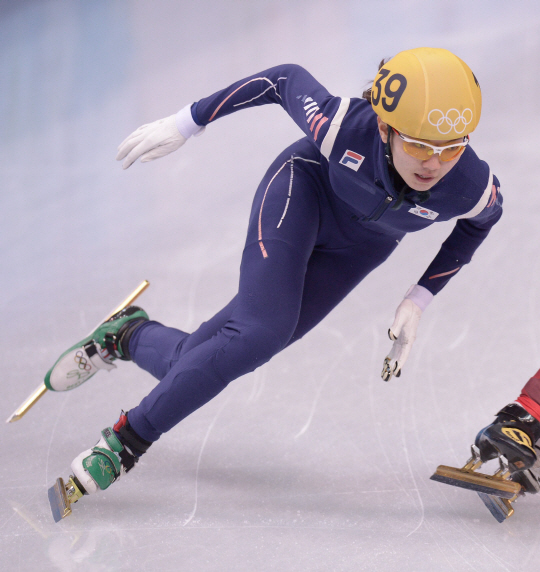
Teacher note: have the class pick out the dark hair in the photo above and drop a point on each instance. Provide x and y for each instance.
(367, 93)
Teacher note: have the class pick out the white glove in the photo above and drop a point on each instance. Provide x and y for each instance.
(403, 330)
(157, 139)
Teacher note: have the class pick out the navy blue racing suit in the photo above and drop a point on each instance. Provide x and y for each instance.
(321, 221)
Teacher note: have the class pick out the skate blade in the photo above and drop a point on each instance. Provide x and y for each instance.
(60, 505)
(478, 482)
(500, 508)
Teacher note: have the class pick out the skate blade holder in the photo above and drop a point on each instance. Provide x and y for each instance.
(62, 496)
(496, 491)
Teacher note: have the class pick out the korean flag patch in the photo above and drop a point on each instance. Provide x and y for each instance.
(424, 213)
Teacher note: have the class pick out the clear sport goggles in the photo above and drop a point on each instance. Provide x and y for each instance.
(424, 151)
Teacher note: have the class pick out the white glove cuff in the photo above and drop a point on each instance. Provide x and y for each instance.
(185, 124)
(419, 295)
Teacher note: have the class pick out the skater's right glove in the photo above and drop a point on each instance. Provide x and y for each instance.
(403, 330)
(157, 139)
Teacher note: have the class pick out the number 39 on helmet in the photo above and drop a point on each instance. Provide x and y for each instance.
(427, 93)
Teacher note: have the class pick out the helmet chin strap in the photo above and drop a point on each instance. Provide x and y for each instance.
(394, 175)
(397, 180)
(388, 148)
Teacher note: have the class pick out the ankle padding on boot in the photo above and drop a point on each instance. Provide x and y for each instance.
(133, 442)
(516, 411)
(124, 336)
(112, 440)
(91, 349)
(512, 435)
(518, 415)
(127, 460)
(118, 343)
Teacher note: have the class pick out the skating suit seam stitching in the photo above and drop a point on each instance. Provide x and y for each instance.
(267, 240)
(261, 244)
(291, 161)
(272, 85)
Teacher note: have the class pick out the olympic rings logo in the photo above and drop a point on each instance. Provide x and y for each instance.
(81, 361)
(451, 120)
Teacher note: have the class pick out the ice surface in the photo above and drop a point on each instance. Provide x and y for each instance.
(312, 462)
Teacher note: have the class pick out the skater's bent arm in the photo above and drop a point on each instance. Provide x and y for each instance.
(308, 103)
(291, 86)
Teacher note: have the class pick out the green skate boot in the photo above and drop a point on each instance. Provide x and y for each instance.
(96, 469)
(97, 351)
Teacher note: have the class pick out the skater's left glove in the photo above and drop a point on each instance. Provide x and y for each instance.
(403, 330)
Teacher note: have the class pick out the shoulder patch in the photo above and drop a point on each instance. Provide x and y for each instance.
(335, 125)
(484, 199)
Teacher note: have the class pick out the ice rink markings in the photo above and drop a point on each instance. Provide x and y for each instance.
(333, 366)
(205, 440)
(66, 397)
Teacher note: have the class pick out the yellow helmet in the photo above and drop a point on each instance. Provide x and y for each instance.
(428, 93)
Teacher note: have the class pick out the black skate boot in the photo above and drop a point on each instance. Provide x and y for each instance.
(511, 439)
(513, 435)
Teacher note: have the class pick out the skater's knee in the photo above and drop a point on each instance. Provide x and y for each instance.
(248, 348)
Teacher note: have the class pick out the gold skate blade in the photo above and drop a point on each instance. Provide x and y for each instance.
(486, 484)
(500, 508)
(60, 505)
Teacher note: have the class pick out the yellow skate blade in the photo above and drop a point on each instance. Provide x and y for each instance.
(487, 484)
(500, 508)
(60, 505)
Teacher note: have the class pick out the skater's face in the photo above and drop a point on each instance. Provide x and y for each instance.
(419, 175)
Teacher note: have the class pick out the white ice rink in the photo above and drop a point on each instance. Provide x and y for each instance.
(312, 463)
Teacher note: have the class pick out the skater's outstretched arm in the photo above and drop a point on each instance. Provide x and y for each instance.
(308, 103)
(456, 251)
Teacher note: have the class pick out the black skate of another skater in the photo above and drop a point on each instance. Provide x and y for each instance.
(511, 438)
